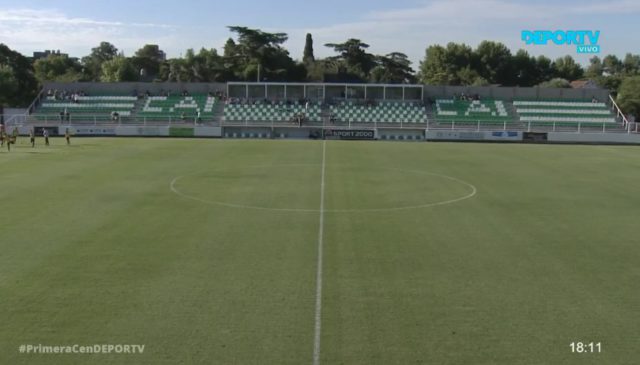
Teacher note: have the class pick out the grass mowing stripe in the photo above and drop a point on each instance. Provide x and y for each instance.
(318, 324)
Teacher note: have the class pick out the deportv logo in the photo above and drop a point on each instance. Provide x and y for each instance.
(586, 41)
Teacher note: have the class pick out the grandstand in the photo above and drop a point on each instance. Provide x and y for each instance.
(297, 105)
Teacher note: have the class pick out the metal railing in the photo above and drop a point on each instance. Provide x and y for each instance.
(326, 122)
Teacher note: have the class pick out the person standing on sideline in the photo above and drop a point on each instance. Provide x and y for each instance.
(45, 134)
(67, 136)
(32, 137)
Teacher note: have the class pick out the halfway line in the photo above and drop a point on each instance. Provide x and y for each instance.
(318, 327)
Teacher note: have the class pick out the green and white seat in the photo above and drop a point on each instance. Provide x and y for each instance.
(89, 108)
(272, 112)
(175, 107)
(383, 112)
(564, 112)
(485, 110)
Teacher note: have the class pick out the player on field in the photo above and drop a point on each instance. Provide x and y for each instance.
(32, 137)
(45, 134)
(67, 136)
(7, 139)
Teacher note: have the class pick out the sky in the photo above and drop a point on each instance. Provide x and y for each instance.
(407, 26)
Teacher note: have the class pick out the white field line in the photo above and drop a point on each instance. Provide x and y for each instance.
(473, 191)
(318, 326)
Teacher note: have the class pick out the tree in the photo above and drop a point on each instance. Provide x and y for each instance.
(308, 57)
(118, 69)
(612, 65)
(631, 64)
(148, 59)
(93, 62)
(493, 63)
(567, 68)
(17, 72)
(258, 54)
(205, 66)
(612, 83)
(9, 84)
(452, 65)
(595, 67)
(629, 96)
(544, 68)
(57, 68)
(434, 69)
(394, 68)
(356, 62)
(525, 69)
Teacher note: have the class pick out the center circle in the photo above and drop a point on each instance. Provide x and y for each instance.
(296, 187)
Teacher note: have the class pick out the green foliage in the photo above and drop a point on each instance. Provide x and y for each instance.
(9, 83)
(611, 65)
(147, 60)
(611, 83)
(118, 69)
(57, 68)
(631, 64)
(491, 63)
(259, 55)
(544, 68)
(18, 85)
(448, 66)
(629, 96)
(595, 68)
(394, 68)
(567, 68)
(525, 69)
(556, 83)
(93, 62)
(308, 56)
(354, 62)
(494, 63)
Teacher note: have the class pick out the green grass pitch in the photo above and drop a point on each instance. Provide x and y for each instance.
(205, 251)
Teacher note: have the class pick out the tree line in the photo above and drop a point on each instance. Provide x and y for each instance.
(255, 55)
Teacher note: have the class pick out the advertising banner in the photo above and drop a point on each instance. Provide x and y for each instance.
(87, 131)
(350, 134)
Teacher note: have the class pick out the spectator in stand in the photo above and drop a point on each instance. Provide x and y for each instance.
(61, 116)
(198, 120)
(67, 115)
